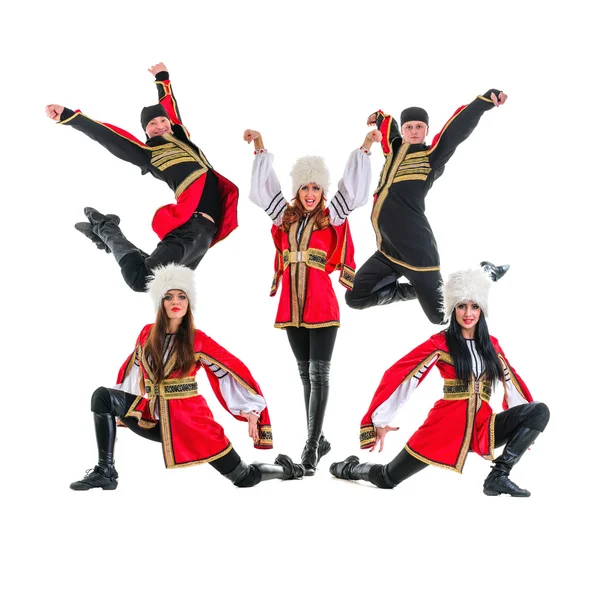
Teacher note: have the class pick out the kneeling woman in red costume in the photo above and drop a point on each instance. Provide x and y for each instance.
(311, 242)
(157, 395)
(470, 361)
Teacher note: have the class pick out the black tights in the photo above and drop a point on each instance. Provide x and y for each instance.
(312, 344)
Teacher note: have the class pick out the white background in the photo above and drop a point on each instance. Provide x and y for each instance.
(307, 74)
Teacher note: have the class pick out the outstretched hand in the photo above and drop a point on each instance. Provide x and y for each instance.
(250, 135)
(54, 111)
(252, 425)
(380, 433)
(500, 99)
(372, 120)
(157, 68)
(375, 135)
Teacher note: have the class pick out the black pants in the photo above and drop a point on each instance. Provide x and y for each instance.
(117, 403)
(378, 272)
(185, 245)
(312, 344)
(534, 415)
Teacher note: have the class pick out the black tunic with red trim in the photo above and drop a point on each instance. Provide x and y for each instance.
(172, 158)
(403, 231)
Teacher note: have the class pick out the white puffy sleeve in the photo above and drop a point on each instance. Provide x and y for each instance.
(353, 188)
(265, 189)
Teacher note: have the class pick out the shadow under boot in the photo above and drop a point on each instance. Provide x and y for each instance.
(103, 475)
(493, 271)
(353, 470)
(318, 371)
(497, 482)
(323, 447)
(250, 475)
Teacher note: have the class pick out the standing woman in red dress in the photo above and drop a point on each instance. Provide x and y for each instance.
(311, 242)
(462, 421)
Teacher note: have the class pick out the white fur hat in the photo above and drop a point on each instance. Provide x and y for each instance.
(171, 277)
(310, 169)
(465, 285)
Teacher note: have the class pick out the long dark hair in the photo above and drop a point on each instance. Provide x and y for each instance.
(183, 344)
(461, 356)
(295, 211)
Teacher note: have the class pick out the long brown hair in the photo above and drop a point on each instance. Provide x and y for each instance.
(183, 344)
(295, 211)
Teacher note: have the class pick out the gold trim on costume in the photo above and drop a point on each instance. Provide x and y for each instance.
(175, 161)
(455, 389)
(210, 359)
(367, 435)
(384, 192)
(431, 462)
(186, 387)
(307, 325)
(203, 460)
(492, 437)
(312, 257)
(188, 181)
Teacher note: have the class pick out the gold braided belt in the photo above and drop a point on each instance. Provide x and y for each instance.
(186, 387)
(312, 257)
(455, 389)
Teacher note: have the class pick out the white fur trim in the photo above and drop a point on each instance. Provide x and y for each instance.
(171, 277)
(465, 285)
(310, 169)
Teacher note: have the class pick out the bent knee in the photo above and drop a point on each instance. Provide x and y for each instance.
(540, 415)
(101, 402)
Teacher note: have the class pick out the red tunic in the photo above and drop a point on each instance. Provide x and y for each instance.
(190, 435)
(303, 267)
(461, 421)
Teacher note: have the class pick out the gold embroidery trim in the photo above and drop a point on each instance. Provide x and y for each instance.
(307, 325)
(367, 435)
(431, 462)
(312, 257)
(186, 387)
(199, 355)
(174, 162)
(455, 389)
(415, 177)
(188, 181)
(384, 192)
(203, 460)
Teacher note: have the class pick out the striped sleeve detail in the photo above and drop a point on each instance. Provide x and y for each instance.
(276, 206)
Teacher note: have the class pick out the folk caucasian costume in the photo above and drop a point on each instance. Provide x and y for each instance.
(205, 211)
(462, 420)
(170, 410)
(406, 245)
(306, 255)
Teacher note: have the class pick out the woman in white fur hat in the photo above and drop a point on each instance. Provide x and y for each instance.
(156, 395)
(311, 241)
(471, 362)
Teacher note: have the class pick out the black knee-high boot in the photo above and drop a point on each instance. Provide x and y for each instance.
(395, 292)
(86, 228)
(103, 475)
(106, 228)
(497, 482)
(495, 272)
(353, 470)
(323, 446)
(250, 475)
(318, 371)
